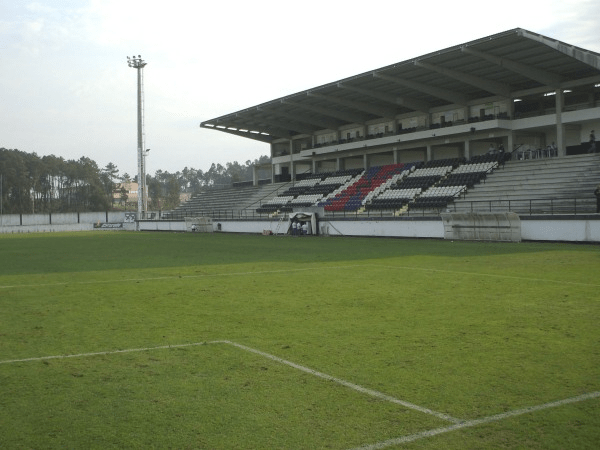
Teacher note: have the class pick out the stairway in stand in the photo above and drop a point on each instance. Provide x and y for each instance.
(538, 186)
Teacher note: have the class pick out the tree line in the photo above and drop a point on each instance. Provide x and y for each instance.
(47, 184)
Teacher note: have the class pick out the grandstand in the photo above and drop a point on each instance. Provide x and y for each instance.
(498, 124)
(486, 183)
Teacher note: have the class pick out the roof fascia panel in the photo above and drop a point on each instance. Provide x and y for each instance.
(585, 56)
(247, 134)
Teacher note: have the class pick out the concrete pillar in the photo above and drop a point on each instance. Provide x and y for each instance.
(429, 153)
(365, 161)
(292, 166)
(510, 145)
(254, 176)
(314, 166)
(467, 149)
(396, 159)
(560, 128)
(338, 164)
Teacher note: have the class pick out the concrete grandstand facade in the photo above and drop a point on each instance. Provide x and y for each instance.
(517, 89)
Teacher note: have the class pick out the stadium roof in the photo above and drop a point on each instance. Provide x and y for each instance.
(511, 64)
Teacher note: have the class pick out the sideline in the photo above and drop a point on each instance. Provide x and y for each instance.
(491, 275)
(304, 269)
(173, 277)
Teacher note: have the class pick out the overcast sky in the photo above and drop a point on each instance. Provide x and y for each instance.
(66, 89)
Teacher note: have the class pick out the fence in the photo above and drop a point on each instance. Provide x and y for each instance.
(544, 206)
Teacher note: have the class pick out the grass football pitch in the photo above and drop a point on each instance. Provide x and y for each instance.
(220, 341)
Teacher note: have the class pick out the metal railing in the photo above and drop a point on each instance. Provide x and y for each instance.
(544, 206)
(530, 207)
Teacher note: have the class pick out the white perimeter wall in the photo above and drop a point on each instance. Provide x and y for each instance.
(429, 229)
(46, 223)
(577, 230)
(585, 229)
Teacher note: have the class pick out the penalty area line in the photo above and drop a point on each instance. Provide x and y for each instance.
(475, 422)
(355, 387)
(109, 352)
(457, 423)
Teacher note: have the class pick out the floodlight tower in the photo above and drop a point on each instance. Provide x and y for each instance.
(138, 63)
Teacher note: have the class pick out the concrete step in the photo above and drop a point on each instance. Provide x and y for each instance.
(552, 178)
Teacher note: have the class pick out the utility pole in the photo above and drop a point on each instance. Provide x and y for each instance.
(138, 63)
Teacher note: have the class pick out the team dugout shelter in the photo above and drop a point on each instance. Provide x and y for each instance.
(516, 89)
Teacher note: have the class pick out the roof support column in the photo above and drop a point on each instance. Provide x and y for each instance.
(254, 176)
(365, 161)
(395, 153)
(429, 153)
(467, 154)
(510, 145)
(292, 165)
(560, 128)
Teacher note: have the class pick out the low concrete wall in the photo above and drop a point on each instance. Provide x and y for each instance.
(548, 228)
(46, 228)
(162, 225)
(10, 220)
(432, 228)
(541, 228)
(568, 228)
(482, 226)
(47, 223)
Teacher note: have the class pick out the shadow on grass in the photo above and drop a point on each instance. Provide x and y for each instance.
(96, 251)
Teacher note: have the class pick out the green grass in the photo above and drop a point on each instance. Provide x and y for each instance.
(466, 329)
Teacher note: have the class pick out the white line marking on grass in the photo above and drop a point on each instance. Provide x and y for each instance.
(491, 275)
(475, 422)
(172, 277)
(305, 269)
(347, 384)
(353, 386)
(458, 424)
(111, 352)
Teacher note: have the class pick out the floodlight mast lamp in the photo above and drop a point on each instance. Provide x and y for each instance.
(138, 63)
